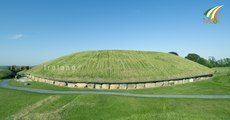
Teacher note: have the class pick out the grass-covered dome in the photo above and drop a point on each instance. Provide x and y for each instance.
(118, 66)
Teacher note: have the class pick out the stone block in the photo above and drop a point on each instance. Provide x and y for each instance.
(159, 84)
(191, 80)
(166, 83)
(72, 85)
(81, 85)
(49, 81)
(60, 83)
(98, 86)
(131, 86)
(41, 80)
(150, 85)
(90, 85)
(123, 86)
(105, 86)
(185, 81)
(140, 85)
(171, 82)
(196, 79)
(180, 81)
(114, 86)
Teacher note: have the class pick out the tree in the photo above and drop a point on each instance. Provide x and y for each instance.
(27, 67)
(212, 61)
(196, 58)
(224, 62)
(174, 53)
(193, 57)
(13, 68)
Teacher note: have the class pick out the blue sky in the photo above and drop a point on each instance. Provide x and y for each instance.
(36, 31)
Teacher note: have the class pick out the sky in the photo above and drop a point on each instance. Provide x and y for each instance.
(36, 31)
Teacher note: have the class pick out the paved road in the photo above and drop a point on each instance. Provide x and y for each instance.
(5, 84)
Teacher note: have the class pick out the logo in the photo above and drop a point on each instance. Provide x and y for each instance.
(212, 15)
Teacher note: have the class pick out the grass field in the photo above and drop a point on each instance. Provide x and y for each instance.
(26, 105)
(119, 66)
(4, 73)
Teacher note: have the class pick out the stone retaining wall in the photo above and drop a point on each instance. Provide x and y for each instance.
(136, 85)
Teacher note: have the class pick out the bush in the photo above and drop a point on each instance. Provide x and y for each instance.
(4, 73)
(174, 53)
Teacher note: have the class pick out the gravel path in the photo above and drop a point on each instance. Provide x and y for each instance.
(5, 84)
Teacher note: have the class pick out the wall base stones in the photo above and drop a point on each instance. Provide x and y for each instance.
(90, 85)
(98, 86)
(72, 85)
(114, 86)
(140, 86)
(150, 85)
(136, 85)
(159, 84)
(60, 83)
(81, 85)
(105, 86)
(123, 86)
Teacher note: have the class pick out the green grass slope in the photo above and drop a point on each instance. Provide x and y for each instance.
(4, 73)
(118, 66)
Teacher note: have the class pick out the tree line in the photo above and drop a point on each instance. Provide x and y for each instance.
(18, 68)
(210, 62)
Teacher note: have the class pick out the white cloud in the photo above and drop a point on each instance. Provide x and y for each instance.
(16, 36)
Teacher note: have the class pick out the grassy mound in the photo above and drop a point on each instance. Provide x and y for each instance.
(118, 66)
(4, 73)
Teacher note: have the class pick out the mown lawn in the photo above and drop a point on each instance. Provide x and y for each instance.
(25, 105)
(12, 101)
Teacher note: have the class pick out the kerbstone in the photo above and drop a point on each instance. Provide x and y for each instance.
(98, 86)
(72, 85)
(159, 84)
(114, 86)
(90, 85)
(131, 86)
(185, 81)
(171, 82)
(60, 83)
(49, 81)
(150, 85)
(140, 85)
(41, 80)
(166, 83)
(123, 86)
(81, 85)
(180, 81)
(105, 86)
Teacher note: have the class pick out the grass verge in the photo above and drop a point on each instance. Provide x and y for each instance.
(25, 105)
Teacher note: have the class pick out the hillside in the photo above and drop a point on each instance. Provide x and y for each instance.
(118, 66)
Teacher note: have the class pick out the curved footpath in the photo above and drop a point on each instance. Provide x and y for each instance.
(5, 84)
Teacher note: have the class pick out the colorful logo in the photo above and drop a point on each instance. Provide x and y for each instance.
(212, 14)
